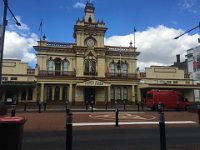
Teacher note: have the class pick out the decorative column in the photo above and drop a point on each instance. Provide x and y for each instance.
(42, 93)
(133, 93)
(60, 96)
(53, 92)
(108, 95)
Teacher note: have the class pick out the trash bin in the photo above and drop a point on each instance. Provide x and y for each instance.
(11, 133)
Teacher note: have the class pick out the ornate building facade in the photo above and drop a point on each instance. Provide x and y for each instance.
(88, 71)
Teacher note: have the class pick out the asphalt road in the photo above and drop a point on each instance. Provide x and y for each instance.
(115, 138)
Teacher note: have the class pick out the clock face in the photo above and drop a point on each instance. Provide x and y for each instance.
(90, 43)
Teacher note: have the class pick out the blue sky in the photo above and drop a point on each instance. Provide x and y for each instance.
(157, 23)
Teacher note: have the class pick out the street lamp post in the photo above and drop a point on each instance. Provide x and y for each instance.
(2, 34)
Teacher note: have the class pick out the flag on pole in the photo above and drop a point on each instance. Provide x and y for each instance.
(135, 29)
(40, 26)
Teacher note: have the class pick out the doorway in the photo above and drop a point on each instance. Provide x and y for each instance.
(89, 96)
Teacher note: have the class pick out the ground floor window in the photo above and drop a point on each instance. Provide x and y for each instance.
(30, 94)
(23, 94)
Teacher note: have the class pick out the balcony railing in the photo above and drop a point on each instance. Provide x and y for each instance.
(90, 73)
(57, 73)
(122, 75)
(186, 76)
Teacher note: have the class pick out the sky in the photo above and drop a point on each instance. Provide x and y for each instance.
(157, 23)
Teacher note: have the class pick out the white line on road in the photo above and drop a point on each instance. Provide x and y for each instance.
(130, 123)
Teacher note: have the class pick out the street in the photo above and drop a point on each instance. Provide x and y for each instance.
(115, 138)
(97, 131)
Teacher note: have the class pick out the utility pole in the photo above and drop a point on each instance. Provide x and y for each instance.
(2, 34)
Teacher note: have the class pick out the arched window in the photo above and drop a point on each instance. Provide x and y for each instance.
(118, 93)
(65, 66)
(112, 68)
(112, 93)
(57, 66)
(90, 20)
(87, 66)
(50, 66)
(90, 67)
(125, 93)
(49, 93)
(125, 69)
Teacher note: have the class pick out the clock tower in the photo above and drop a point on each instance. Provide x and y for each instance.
(89, 32)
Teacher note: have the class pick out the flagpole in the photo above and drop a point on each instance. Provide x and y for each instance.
(134, 37)
(2, 37)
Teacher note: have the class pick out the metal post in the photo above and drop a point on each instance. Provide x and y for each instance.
(138, 107)
(198, 109)
(2, 37)
(13, 108)
(86, 106)
(69, 131)
(162, 131)
(39, 108)
(67, 107)
(116, 116)
(159, 108)
(124, 105)
(92, 105)
(25, 107)
(106, 105)
(45, 106)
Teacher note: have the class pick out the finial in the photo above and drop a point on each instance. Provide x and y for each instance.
(131, 44)
(44, 37)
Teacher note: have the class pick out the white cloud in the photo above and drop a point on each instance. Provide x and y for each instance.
(79, 5)
(19, 43)
(189, 5)
(157, 45)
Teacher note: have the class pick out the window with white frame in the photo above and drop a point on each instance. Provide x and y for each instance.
(65, 66)
(125, 68)
(125, 93)
(50, 66)
(112, 93)
(118, 93)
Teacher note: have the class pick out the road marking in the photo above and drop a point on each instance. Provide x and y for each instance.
(123, 117)
(130, 123)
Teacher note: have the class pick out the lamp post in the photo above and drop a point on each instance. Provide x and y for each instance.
(2, 33)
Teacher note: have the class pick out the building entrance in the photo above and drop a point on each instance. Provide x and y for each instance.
(89, 95)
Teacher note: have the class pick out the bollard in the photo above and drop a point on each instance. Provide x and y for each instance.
(116, 117)
(13, 110)
(92, 105)
(25, 107)
(39, 108)
(198, 109)
(45, 106)
(159, 108)
(162, 131)
(67, 108)
(124, 105)
(138, 107)
(69, 131)
(106, 105)
(86, 106)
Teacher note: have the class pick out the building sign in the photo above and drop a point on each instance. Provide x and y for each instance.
(92, 83)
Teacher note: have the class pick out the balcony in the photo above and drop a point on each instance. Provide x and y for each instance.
(122, 75)
(56, 73)
(187, 76)
(90, 73)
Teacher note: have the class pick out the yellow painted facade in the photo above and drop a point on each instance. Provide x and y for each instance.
(88, 71)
